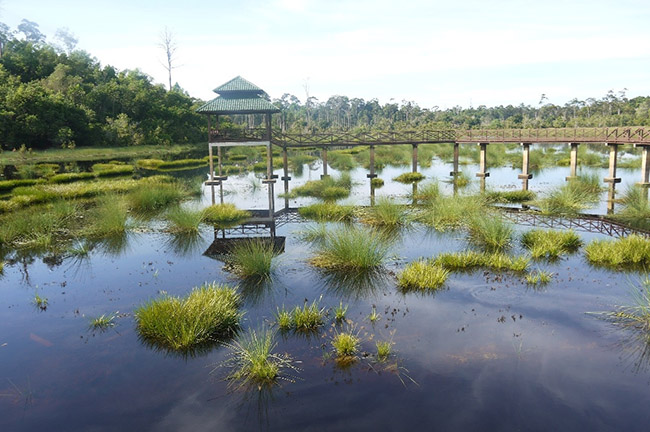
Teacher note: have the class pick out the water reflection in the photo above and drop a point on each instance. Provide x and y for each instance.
(355, 284)
(185, 244)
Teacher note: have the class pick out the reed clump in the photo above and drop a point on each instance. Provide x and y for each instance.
(327, 211)
(208, 314)
(550, 243)
(351, 248)
(224, 215)
(631, 251)
(422, 276)
(450, 213)
(254, 363)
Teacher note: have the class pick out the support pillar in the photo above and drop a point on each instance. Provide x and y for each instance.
(573, 167)
(611, 178)
(269, 180)
(285, 178)
(324, 157)
(372, 174)
(482, 174)
(645, 169)
(415, 158)
(456, 171)
(525, 166)
(221, 177)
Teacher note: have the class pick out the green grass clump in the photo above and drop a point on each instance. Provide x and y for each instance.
(328, 188)
(539, 277)
(384, 350)
(341, 161)
(386, 213)
(490, 232)
(183, 221)
(71, 177)
(346, 346)
(351, 248)
(253, 362)
(377, 182)
(252, 258)
(340, 312)
(155, 196)
(224, 215)
(210, 313)
(182, 163)
(2, 266)
(109, 218)
(7, 185)
(283, 319)
(151, 164)
(327, 211)
(469, 260)
(40, 302)
(550, 244)
(102, 322)
(112, 170)
(307, 318)
(422, 276)
(517, 196)
(631, 251)
(410, 177)
(635, 208)
(374, 316)
(571, 198)
(428, 192)
(450, 213)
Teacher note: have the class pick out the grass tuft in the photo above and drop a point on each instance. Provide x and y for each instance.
(422, 276)
(490, 232)
(346, 346)
(102, 322)
(183, 221)
(327, 211)
(540, 277)
(384, 350)
(632, 251)
(40, 302)
(351, 248)
(571, 198)
(450, 213)
(385, 213)
(340, 312)
(550, 244)
(308, 318)
(409, 178)
(224, 215)
(253, 362)
(208, 314)
(252, 258)
(469, 260)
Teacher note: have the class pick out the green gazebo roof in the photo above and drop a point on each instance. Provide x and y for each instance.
(238, 96)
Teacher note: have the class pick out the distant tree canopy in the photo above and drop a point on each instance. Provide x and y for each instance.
(55, 96)
(58, 97)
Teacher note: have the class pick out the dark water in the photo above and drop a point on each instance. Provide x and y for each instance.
(486, 353)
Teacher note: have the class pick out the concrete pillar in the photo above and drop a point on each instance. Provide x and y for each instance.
(611, 178)
(415, 158)
(573, 167)
(482, 174)
(324, 157)
(372, 174)
(456, 171)
(285, 178)
(525, 166)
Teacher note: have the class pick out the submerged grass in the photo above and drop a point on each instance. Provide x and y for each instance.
(422, 276)
(253, 362)
(632, 251)
(351, 248)
(550, 243)
(210, 313)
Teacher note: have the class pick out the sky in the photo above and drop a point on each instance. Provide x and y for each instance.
(431, 52)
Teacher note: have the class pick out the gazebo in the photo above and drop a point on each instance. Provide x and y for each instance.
(239, 96)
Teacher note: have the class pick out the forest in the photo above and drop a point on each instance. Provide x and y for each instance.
(54, 96)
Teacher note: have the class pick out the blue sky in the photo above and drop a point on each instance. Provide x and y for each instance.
(436, 53)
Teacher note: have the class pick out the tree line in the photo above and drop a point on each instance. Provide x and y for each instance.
(52, 95)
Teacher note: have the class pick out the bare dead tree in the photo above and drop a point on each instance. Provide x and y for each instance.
(168, 44)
